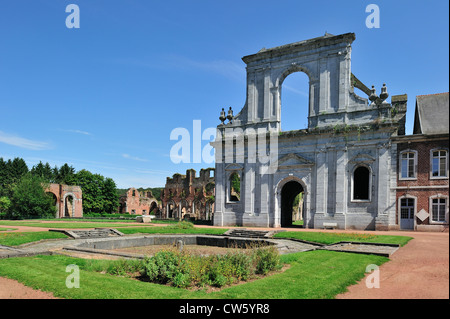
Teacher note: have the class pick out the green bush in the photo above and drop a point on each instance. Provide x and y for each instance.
(242, 265)
(267, 259)
(163, 267)
(181, 280)
(183, 270)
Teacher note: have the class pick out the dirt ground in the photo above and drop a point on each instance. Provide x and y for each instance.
(419, 270)
(12, 289)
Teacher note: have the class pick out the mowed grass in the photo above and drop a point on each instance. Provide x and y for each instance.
(311, 275)
(63, 224)
(16, 239)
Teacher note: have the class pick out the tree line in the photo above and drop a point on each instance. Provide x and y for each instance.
(22, 190)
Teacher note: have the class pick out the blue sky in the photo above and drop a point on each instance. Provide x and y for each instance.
(105, 97)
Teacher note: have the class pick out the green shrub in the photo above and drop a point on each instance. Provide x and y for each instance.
(266, 259)
(242, 265)
(163, 267)
(181, 280)
(220, 271)
(183, 270)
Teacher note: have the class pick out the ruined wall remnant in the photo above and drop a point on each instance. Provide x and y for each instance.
(135, 202)
(187, 196)
(68, 200)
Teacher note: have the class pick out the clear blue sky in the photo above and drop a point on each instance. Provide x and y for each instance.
(106, 96)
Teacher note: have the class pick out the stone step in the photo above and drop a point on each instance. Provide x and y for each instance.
(90, 233)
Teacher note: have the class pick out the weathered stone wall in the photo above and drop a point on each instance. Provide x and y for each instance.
(345, 131)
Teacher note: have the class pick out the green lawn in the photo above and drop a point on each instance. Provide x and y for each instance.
(15, 239)
(315, 274)
(64, 224)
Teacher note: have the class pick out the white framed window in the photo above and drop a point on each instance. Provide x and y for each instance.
(439, 164)
(439, 209)
(408, 165)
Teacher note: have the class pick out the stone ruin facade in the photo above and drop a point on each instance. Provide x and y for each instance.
(188, 196)
(344, 163)
(135, 202)
(68, 200)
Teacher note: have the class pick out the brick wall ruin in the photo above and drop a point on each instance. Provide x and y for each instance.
(188, 196)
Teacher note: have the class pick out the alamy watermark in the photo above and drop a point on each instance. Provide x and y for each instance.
(73, 19)
(233, 145)
(373, 279)
(73, 279)
(373, 19)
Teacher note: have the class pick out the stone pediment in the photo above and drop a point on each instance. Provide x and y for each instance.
(362, 158)
(293, 161)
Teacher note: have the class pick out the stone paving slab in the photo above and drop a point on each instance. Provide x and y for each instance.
(286, 246)
(363, 248)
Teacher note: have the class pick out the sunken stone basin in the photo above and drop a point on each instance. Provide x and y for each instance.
(116, 246)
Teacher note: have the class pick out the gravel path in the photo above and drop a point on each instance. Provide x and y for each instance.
(419, 270)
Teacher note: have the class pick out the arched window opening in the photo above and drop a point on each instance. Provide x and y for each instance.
(235, 187)
(361, 183)
(171, 210)
(153, 207)
(295, 102)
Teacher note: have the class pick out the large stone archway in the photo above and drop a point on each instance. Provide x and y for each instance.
(343, 129)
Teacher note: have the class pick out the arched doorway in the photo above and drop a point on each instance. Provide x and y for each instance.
(292, 200)
(153, 208)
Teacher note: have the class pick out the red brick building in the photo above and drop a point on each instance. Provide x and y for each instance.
(423, 167)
